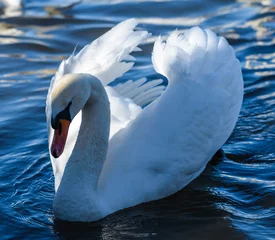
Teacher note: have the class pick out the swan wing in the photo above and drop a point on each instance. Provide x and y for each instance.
(106, 59)
(170, 141)
(127, 100)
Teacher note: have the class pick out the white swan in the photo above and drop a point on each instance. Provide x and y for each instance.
(153, 152)
(12, 4)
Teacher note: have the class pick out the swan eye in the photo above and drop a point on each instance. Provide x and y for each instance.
(65, 114)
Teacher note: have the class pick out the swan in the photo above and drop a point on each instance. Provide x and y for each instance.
(108, 153)
(12, 4)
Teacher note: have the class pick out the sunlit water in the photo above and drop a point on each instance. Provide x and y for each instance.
(234, 198)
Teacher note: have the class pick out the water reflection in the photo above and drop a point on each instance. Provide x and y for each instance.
(8, 33)
(260, 2)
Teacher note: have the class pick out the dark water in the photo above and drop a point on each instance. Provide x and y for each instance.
(234, 198)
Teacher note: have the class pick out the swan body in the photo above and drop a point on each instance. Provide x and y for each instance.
(151, 152)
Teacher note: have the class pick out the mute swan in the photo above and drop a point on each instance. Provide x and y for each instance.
(13, 4)
(154, 152)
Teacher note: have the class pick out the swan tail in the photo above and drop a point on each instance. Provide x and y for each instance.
(141, 92)
(197, 55)
(108, 57)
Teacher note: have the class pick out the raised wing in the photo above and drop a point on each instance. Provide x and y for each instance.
(105, 58)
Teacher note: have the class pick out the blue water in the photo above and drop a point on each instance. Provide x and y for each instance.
(234, 198)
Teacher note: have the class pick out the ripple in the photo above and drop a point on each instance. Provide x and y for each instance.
(232, 199)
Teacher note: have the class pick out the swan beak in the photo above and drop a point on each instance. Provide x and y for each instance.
(59, 138)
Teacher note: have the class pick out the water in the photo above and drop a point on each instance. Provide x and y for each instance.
(234, 198)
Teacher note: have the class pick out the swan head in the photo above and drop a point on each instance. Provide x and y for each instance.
(68, 97)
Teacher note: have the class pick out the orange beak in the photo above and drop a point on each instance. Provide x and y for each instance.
(60, 137)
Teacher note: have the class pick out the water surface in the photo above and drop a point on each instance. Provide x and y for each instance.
(234, 198)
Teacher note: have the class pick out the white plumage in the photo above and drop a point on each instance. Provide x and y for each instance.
(156, 151)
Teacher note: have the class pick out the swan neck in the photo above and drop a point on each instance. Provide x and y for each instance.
(92, 143)
(78, 188)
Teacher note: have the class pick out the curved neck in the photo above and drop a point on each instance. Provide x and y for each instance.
(78, 188)
(91, 145)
